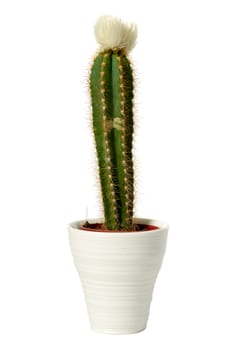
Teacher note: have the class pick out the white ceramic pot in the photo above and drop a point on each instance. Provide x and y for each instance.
(118, 271)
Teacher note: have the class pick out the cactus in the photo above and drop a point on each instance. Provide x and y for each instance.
(111, 85)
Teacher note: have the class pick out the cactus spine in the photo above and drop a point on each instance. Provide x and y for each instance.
(111, 84)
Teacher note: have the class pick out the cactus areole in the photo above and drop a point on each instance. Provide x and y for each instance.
(111, 86)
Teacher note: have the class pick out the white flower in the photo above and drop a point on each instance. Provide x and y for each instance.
(113, 33)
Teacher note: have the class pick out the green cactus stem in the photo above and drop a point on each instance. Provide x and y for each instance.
(111, 85)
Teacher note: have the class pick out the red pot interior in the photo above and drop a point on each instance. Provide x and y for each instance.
(100, 228)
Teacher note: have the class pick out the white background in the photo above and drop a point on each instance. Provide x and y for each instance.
(183, 62)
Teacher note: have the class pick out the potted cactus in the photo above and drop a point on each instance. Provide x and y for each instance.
(118, 257)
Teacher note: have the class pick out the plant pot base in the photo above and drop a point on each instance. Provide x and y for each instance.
(112, 332)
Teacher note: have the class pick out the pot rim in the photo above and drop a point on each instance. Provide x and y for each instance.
(162, 226)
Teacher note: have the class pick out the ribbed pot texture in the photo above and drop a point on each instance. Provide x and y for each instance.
(118, 271)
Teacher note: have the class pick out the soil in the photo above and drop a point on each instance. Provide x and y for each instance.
(100, 227)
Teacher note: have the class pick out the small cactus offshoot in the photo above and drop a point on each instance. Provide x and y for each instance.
(111, 85)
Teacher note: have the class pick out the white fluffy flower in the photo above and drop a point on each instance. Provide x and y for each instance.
(113, 33)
